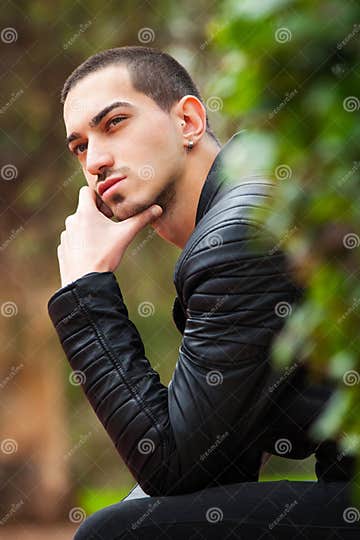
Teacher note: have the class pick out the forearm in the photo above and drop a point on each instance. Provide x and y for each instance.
(125, 392)
(162, 434)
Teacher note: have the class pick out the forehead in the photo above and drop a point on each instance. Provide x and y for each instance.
(97, 90)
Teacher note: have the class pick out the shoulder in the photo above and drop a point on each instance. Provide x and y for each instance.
(232, 230)
(233, 247)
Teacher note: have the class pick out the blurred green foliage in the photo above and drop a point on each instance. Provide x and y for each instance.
(288, 72)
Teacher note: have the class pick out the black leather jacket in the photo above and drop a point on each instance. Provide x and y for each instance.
(226, 402)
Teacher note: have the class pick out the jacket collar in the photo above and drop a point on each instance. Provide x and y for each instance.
(215, 179)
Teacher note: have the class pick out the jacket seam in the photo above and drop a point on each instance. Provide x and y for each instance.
(129, 386)
(253, 223)
(226, 264)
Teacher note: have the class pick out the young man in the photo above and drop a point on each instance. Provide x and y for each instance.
(136, 123)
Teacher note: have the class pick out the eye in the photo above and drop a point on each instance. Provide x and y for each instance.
(78, 149)
(115, 120)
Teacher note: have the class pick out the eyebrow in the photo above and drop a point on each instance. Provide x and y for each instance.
(95, 121)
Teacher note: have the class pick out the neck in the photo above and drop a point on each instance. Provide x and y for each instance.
(177, 222)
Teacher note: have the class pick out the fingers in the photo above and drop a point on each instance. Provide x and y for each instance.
(90, 200)
(139, 221)
(87, 198)
(103, 208)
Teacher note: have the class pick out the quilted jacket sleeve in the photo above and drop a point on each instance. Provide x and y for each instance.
(182, 438)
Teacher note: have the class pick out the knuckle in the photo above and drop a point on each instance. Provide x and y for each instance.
(69, 220)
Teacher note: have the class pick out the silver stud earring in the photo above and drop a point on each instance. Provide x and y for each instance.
(190, 145)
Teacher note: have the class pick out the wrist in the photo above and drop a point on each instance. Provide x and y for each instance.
(66, 280)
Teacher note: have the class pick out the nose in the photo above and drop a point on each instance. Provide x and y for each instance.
(98, 158)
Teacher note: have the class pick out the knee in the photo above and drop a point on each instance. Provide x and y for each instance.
(89, 528)
(105, 524)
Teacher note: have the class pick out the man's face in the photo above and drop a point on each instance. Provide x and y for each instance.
(139, 141)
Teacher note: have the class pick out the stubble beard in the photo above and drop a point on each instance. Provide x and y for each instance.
(166, 199)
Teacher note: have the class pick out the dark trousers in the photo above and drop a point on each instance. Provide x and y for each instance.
(250, 510)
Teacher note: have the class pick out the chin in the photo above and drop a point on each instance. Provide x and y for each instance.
(125, 210)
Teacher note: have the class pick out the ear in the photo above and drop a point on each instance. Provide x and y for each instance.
(190, 115)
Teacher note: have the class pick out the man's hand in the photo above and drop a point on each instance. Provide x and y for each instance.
(104, 209)
(92, 242)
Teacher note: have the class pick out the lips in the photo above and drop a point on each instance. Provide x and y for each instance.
(103, 186)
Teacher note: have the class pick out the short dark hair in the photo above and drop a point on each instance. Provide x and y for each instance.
(152, 72)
